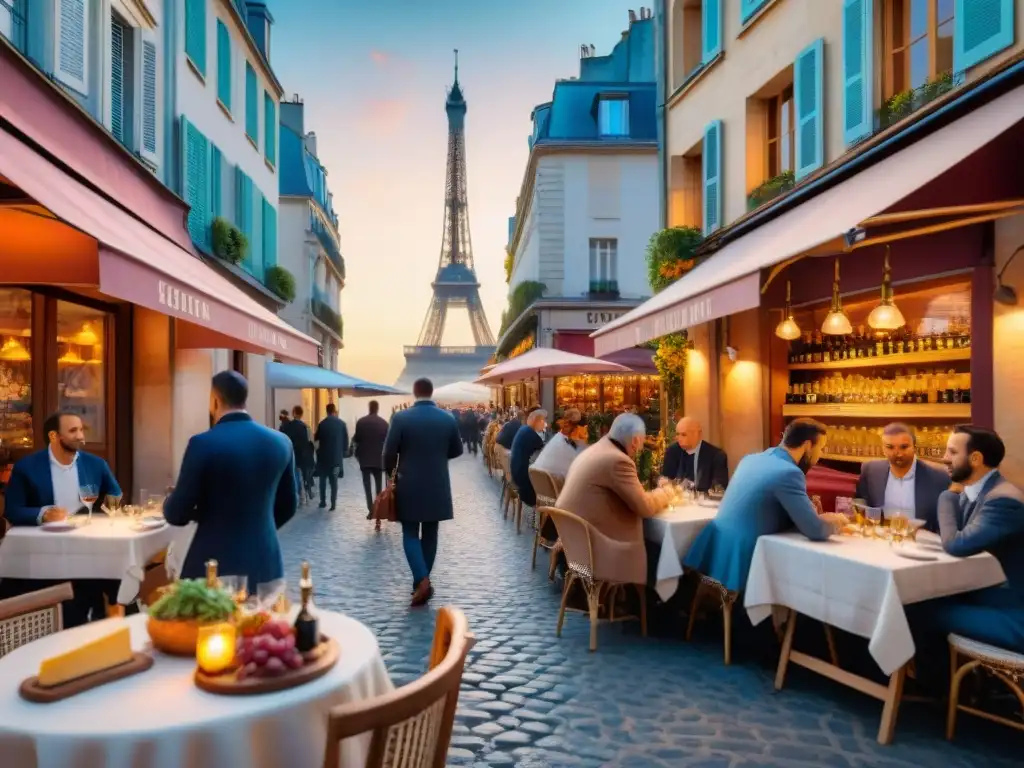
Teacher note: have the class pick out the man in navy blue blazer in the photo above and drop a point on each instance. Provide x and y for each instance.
(237, 482)
(47, 486)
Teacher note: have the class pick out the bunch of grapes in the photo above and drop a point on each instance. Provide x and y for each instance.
(269, 652)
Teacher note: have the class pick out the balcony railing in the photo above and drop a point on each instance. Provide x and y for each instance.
(17, 29)
(326, 238)
(604, 289)
(323, 312)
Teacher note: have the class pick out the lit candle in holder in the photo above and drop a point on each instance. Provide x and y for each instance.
(215, 648)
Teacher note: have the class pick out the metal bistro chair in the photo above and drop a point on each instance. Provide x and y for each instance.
(410, 727)
(28, 617)
(598, 578)
(1007, 666)
(547, 487)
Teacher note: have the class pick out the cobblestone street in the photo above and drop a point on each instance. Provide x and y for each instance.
(532, 700)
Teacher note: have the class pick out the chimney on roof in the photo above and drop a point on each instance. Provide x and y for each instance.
(259, 21)
(293, 115)
(632, 15)
(310, 141)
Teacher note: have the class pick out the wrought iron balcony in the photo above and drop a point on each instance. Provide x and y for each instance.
(603, 289)
(326, 238)
(18, 34)
(323, 312)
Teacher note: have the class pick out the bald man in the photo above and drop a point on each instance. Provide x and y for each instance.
(691, 458)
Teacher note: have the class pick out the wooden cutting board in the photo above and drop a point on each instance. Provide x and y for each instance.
(32, 691)
(318, 663)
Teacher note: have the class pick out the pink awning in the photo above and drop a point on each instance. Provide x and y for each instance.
(729, 281)
(138, 265)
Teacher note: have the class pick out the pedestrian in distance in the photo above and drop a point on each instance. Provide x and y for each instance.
(368, 441)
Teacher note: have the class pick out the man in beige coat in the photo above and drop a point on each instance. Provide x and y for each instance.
(602, 487)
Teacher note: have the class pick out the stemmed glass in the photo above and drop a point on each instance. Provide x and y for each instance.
(112, 506)
(88, 494)
(874, 520)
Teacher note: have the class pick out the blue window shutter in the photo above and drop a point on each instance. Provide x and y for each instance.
(149, 99)
(712, 157)
(195, 33)
(807, 96)
(858, 72)
(216, 182)
(252, 114)
(256, 241)
(117, 80)
(270, 127)
(71, 54)
(748, 8)
(223, 65)
(982, 28)
(711, 35)
(269, 234)
(243, 206)
(195, 158)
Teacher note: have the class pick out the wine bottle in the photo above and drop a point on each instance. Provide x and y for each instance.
(307, 635)
(211, 574)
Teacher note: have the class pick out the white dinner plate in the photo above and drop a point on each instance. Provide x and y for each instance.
(58, 525)
(708, 503)
(149, 525)
(922, 556)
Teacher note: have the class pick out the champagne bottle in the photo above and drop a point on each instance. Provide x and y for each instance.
(211, 574)
(307, 635)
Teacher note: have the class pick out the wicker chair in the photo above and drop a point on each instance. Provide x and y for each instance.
(577, 537)
(411, 727)
(727, 599)
(1004, 665)
(547, 487)
(510, 494)
(28, 617)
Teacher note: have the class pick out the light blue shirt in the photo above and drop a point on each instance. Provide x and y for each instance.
(973, 490)
(899, 492)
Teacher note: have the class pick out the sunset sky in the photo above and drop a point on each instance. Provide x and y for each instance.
(373, 76)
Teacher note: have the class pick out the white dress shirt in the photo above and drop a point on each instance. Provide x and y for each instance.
(558, 455)
(973, 490)
(66, 490)
(899, 492)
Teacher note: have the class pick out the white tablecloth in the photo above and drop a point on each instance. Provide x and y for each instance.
(859, 585)
(159, 719)
(98, 550)
(675, 529)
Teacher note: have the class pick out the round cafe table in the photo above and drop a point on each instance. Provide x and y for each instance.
(160, 719)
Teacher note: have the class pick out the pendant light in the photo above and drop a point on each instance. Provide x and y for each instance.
(886, 316)
(87, 336)
(836, 322)
(788, 329)
(14, 351)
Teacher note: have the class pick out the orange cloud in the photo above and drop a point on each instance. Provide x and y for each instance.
(386, 116)
(380, 58)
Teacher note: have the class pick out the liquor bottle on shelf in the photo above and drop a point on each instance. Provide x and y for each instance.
(307, 635)
(817, 348)
(211, 574)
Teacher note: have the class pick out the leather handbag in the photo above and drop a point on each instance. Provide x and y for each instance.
(385, 506)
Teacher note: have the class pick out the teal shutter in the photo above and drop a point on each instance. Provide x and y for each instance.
(243, 205)
(270, 127)
(982, 28)
(117, 116)
(807, 95)
(858, 75)
(748, 8)
(195, 33)
(149, 99)
(711, 35)
(269, 234)
(223, 65)
(252, 107)
(256, 241)
(216, 182)
(712, 157)
(195, 157)
(71, 25)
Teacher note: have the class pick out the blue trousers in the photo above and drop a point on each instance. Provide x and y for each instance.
(420, 543)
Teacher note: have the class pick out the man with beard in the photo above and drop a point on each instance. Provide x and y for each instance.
(47, 486)
(987, 516)
(767, 494)
(237, 483)
(900, 481)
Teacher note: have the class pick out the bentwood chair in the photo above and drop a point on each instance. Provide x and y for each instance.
(602, 578)
(547, 487)
(510, 498)
(410, 727)
(1006, 666)
(28, 617)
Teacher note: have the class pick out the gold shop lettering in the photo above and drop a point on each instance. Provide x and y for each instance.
(182, 302)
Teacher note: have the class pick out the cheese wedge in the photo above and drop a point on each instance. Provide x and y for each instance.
(102, 653)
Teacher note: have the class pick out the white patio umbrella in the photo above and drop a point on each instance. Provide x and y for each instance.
(462, 393)
(547, 363)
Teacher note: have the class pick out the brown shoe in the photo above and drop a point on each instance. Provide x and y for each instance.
(422, 594)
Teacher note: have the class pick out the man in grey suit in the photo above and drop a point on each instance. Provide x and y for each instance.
(987, 516)
(331, 446)
(900, 481)
(420, 443)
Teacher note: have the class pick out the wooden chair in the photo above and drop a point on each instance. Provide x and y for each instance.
(28, 617)
(410, 727)
(577, 537)
(1006, 666)
(510, 497)
(547, 487)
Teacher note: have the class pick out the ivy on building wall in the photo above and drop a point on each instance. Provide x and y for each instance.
(510, 259)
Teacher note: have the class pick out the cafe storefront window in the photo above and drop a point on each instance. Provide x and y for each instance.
(16, 425)
(82, 369)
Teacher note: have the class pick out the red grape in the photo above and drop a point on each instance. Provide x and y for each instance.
(294, 660)
(261, 656)
(274, 666)
(289, 641)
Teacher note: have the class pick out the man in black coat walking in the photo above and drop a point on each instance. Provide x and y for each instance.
(332, 444)
(420, 443)
(368, 439)
(302, 444)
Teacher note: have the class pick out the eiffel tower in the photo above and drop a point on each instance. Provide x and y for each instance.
(455, 284)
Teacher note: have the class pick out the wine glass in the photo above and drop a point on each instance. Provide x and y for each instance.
(270, 595)
(155, 504)
(899, 525)
(874, 520)
(88, 494)
(237, 587)
(112, 506)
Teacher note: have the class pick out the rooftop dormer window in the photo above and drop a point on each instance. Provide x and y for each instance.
(613, 115)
